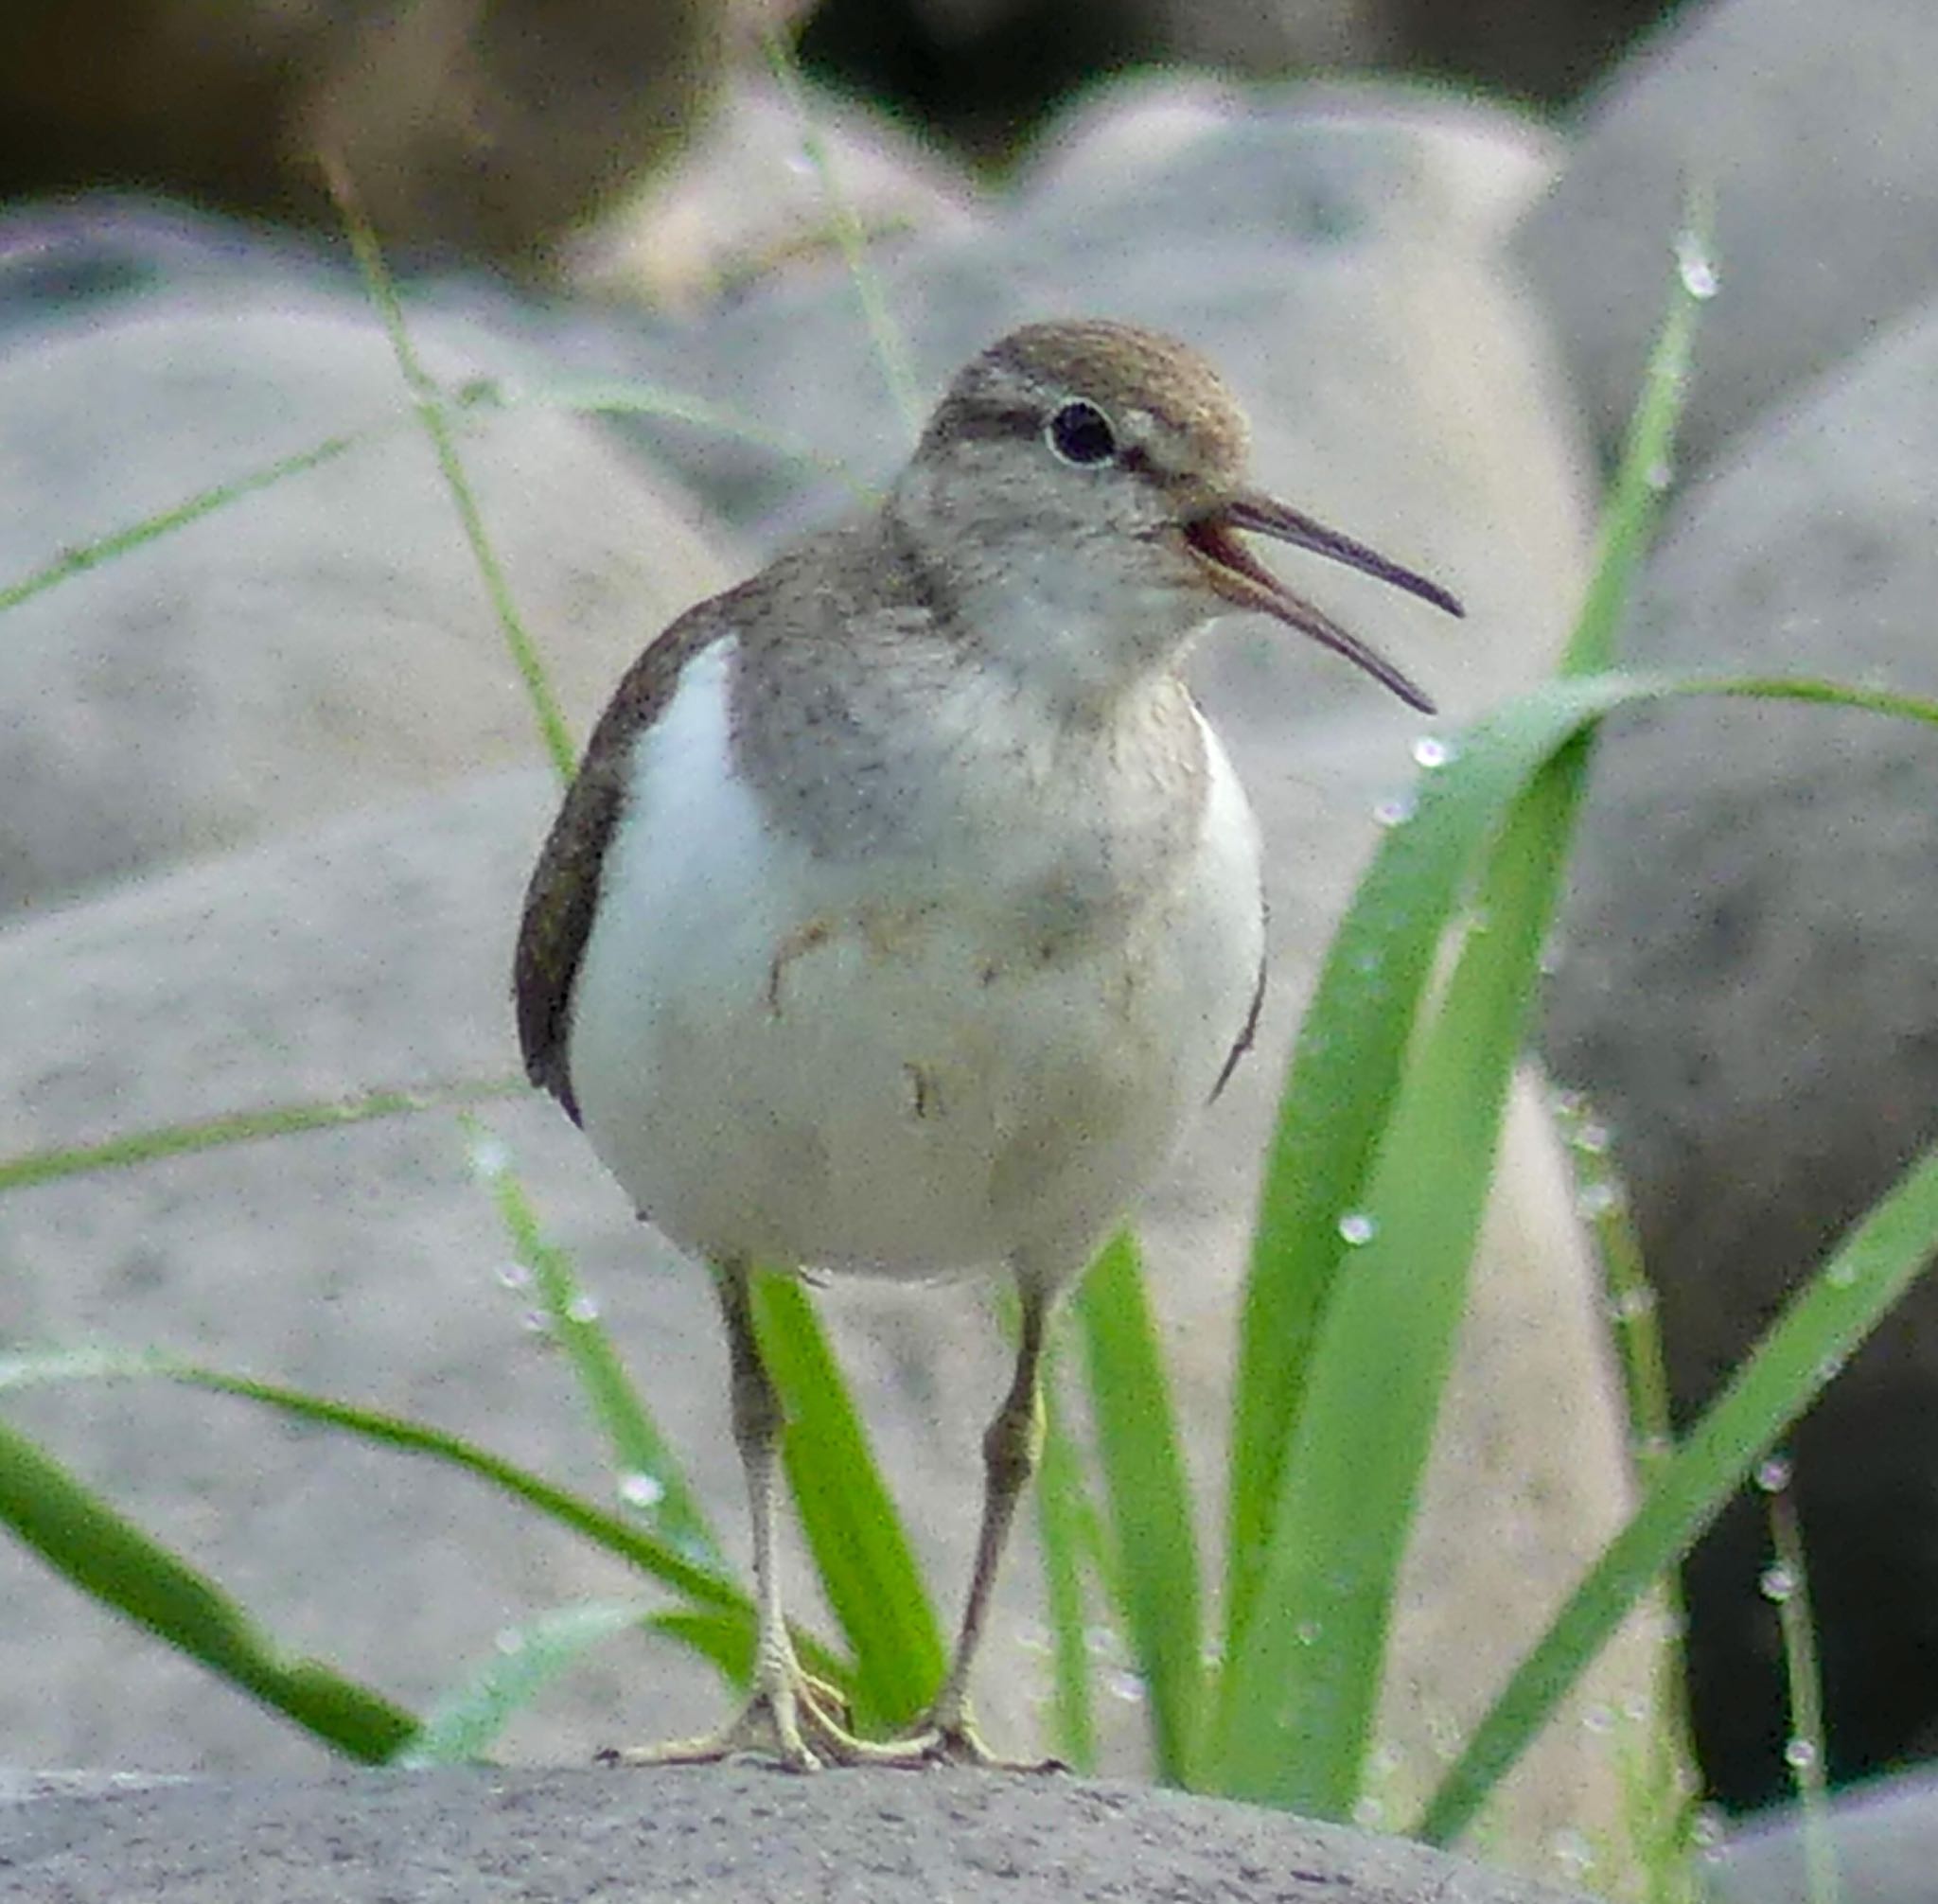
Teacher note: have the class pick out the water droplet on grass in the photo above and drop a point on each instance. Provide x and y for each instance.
(1430, 751)
(640, 1489)
(1695, 268)
(1357, 1226)
(491, 1159)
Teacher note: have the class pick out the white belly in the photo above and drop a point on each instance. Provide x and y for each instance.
(868, 1065)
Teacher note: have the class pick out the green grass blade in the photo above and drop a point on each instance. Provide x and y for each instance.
(1066, 1532)
(867, 1566)
(1634, 500)
(1818, 1331)
(113, 1559)
(1150, 1503)
(1344, 1077)
(1347, 1062)
(890, 353)
(434, 403)
(650, 1479)
(1343, 1090)
(462, 1727)
(1788, 1583)
(93, 554)
(657, 1558)
(605, 396)
(727, 1643)
(243, 1127)
(1296, 1718)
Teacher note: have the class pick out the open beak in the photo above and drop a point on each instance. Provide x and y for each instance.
(1237, 574)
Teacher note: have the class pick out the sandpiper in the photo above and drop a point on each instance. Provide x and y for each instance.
(905, 909)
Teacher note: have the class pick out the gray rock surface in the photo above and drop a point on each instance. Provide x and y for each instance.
(1882, 1839)
(1749, 991)
(1820, 147)
(322, 643)
(746, 1835)
(1347, 277)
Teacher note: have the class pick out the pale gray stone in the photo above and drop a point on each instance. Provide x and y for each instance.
(1881, 1838)
(1806, 125)
(323, 644)
(1748, 989)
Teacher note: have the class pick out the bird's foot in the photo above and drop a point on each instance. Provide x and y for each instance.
(789, 1721)
(945, 1740)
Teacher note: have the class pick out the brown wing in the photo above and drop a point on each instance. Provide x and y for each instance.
(564, 890)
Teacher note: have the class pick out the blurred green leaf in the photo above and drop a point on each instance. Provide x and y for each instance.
(1818, 1329)
(114, 1561)
(464, 1725)
(643, 1465)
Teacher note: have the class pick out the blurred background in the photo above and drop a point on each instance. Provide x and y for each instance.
(1429, 238)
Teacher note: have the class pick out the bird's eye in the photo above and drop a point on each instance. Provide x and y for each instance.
(1080, 434)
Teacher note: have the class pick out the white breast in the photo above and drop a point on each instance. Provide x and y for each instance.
(869, 1065)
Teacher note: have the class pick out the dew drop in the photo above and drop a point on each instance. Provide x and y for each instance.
(1430, 751)
(513, 1276)
(639, 1490)
(1694, 266)
(1306, 1633)
(1660, 475)
(1394, 812)
(1840, 1274)
(1128, 1686)
(1597, 1718)
(1632, 1305)
(1600, 1198)
(1773, 1473)
(1592, 1138)
(491, 1159)
(1799, 1755)
(538, 1322)
(1776, 1583)
(583, 1308)
(1357, 1226)
(1100, 1643)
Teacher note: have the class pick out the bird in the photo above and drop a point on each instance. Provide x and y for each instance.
(905, 910)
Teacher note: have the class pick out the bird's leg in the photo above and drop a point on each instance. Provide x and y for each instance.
(788, 1718)
(947, 1735)
(1009, 1451)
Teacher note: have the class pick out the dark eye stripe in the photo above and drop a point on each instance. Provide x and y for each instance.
(969, 421)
